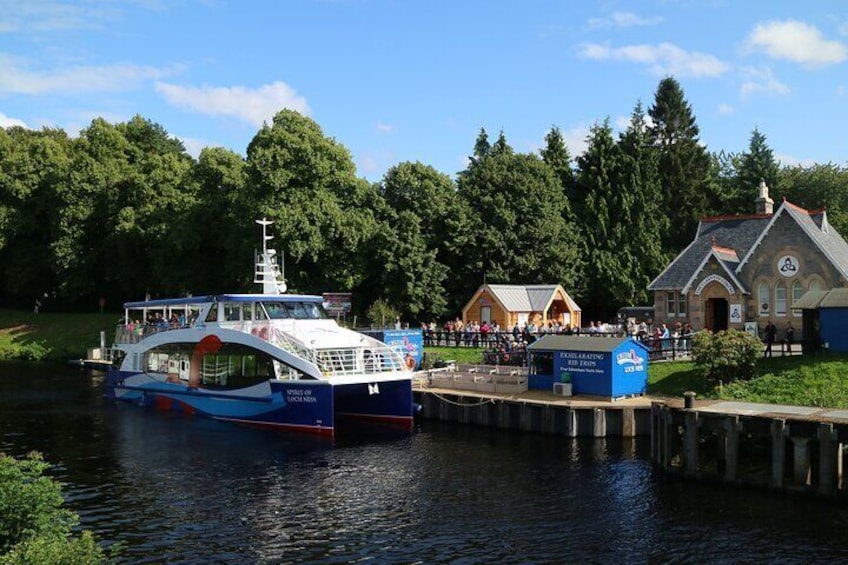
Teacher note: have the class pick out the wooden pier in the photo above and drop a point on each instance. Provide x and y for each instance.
(786, 448)
(499, 398)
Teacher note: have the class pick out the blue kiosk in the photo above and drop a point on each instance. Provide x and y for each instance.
(611, 367)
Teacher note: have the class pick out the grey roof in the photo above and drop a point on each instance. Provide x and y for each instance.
(825, 237)
(580, 343)
(833, 298)
(731, 233)
(727, 236)
(528, 298)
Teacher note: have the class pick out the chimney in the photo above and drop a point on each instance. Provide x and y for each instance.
(765, 205)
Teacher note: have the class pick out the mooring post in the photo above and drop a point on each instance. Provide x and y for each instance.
(827, 458)
(628, 422)
(731, 447)
(778, 452)
(690, 444)
(668, 428)
(801, 460)
(570, 422)
(599, 422)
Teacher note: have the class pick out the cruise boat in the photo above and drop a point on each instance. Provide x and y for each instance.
(271, 359)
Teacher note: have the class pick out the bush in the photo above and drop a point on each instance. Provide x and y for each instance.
(726, 355)
(34, 528)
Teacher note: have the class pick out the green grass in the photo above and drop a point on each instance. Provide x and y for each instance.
(808, 380)
(471, 355)
(52, 337)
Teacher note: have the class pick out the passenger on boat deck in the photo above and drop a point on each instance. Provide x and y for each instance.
(175, 321)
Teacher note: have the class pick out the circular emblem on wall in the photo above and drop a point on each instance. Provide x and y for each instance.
(788, 266)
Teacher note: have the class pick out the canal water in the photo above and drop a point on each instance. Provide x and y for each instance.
(188, 490)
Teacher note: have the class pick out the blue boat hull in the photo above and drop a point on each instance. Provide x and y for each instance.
(304, 406)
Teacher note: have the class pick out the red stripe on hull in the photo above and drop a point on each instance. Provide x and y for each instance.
(323, 431)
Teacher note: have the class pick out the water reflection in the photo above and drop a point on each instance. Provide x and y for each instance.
(186, 490)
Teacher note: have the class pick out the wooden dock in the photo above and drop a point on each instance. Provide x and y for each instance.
(786, 448)
(498, 397)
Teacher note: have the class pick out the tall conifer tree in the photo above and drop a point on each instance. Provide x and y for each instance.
(684, 163)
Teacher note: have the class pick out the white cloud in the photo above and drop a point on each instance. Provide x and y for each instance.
(663, 59)
(193, 146)
(792, 161)
(7, 122)
(254, 106)
(622, 123)
(760, 80)
(16, 79)
(384, 128)
(725, 109)
(575, 140)
(796, 42)
(621, 20)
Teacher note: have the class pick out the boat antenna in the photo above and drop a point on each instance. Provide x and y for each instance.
(267, 271)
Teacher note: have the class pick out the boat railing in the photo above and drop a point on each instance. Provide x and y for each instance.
(129, 333)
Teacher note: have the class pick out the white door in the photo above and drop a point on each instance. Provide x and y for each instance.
(486, 314)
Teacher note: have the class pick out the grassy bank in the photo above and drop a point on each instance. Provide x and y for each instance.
(51, 337)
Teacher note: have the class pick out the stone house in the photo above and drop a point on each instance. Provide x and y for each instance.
(742, 271)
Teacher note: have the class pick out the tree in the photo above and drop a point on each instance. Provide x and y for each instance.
(481, 146)
(555, 155)
(410, 273)
(684, 164)
(756, 165)
(643, 222)
(34, 167)
(821, 186)
(306, 182)
(520, 220)
(443, 221)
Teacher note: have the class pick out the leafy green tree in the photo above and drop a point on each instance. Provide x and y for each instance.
(221, 224)
(821, 186)
(307, 183)
(382, 314)
(520, 221)
(34, 167)
(34, 527)
(684, 163)
(410, 273)
(757, 164)
(443, 225)
(726, 198)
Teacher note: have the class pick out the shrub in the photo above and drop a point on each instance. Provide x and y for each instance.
(34, 528)
(726, 355)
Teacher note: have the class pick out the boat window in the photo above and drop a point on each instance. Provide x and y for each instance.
(232, 312)
(313, 311)
(276, 310)
(261, 314)
(212, 316)
(247, 311)
(296, 310)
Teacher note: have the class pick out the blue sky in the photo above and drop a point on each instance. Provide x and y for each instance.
(397, 81)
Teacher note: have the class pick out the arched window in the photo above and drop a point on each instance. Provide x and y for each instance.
(815, 285)
(780, 299)
(764, 299)
(797, 291)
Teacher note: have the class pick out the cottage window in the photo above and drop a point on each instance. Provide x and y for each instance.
(675, 304)
(764, 299)
(780, 299)
(797, 291)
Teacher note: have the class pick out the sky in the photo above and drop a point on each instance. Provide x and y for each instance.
(410, 80)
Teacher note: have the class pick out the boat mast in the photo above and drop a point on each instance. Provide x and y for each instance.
(268, 272)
